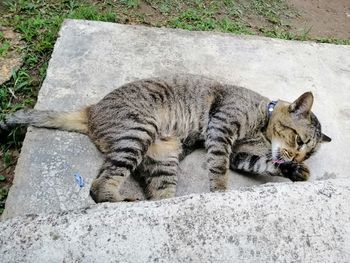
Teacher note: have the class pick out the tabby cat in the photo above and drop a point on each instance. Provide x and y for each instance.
(147, 126)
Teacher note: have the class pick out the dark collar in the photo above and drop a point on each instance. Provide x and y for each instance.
(271, 107)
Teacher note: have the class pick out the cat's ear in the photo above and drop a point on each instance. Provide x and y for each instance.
(302, 105)
(325, 138)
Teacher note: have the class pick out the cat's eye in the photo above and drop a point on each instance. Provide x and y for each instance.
(299, 141)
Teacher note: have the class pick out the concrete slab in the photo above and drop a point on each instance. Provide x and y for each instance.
(92, 58)
(301, 222)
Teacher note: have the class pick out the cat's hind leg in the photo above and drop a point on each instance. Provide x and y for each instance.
(105, 188)
(124, 151)
(160, 167)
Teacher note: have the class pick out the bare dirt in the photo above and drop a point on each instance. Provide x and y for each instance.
(7, 171)
(322, 18)
(13, 59)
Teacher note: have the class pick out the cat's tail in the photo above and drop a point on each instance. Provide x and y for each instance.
(76, 121)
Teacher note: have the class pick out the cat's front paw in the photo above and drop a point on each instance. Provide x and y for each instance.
(295, 171)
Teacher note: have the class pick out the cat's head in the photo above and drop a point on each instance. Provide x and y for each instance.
(294, 131)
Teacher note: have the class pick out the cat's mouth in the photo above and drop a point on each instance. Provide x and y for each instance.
(277, 157)
(278, 161)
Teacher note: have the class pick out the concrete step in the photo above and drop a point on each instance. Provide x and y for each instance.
(292, 222)
(92, 58)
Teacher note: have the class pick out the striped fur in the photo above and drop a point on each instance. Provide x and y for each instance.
(76, 121)
(147, 126)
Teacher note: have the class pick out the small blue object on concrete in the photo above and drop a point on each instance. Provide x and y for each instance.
(79, 180)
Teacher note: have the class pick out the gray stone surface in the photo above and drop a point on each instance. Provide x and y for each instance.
(300, 222)
(91, 58)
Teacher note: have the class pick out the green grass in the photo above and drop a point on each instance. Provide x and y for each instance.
(271, 10)
(333, 41)
(4, 45)
(131, 3)
(38, 22)
(223, 16)
(193, 19)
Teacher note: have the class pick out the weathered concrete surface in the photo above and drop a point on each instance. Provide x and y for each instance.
(301, 222)
(91, 59)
